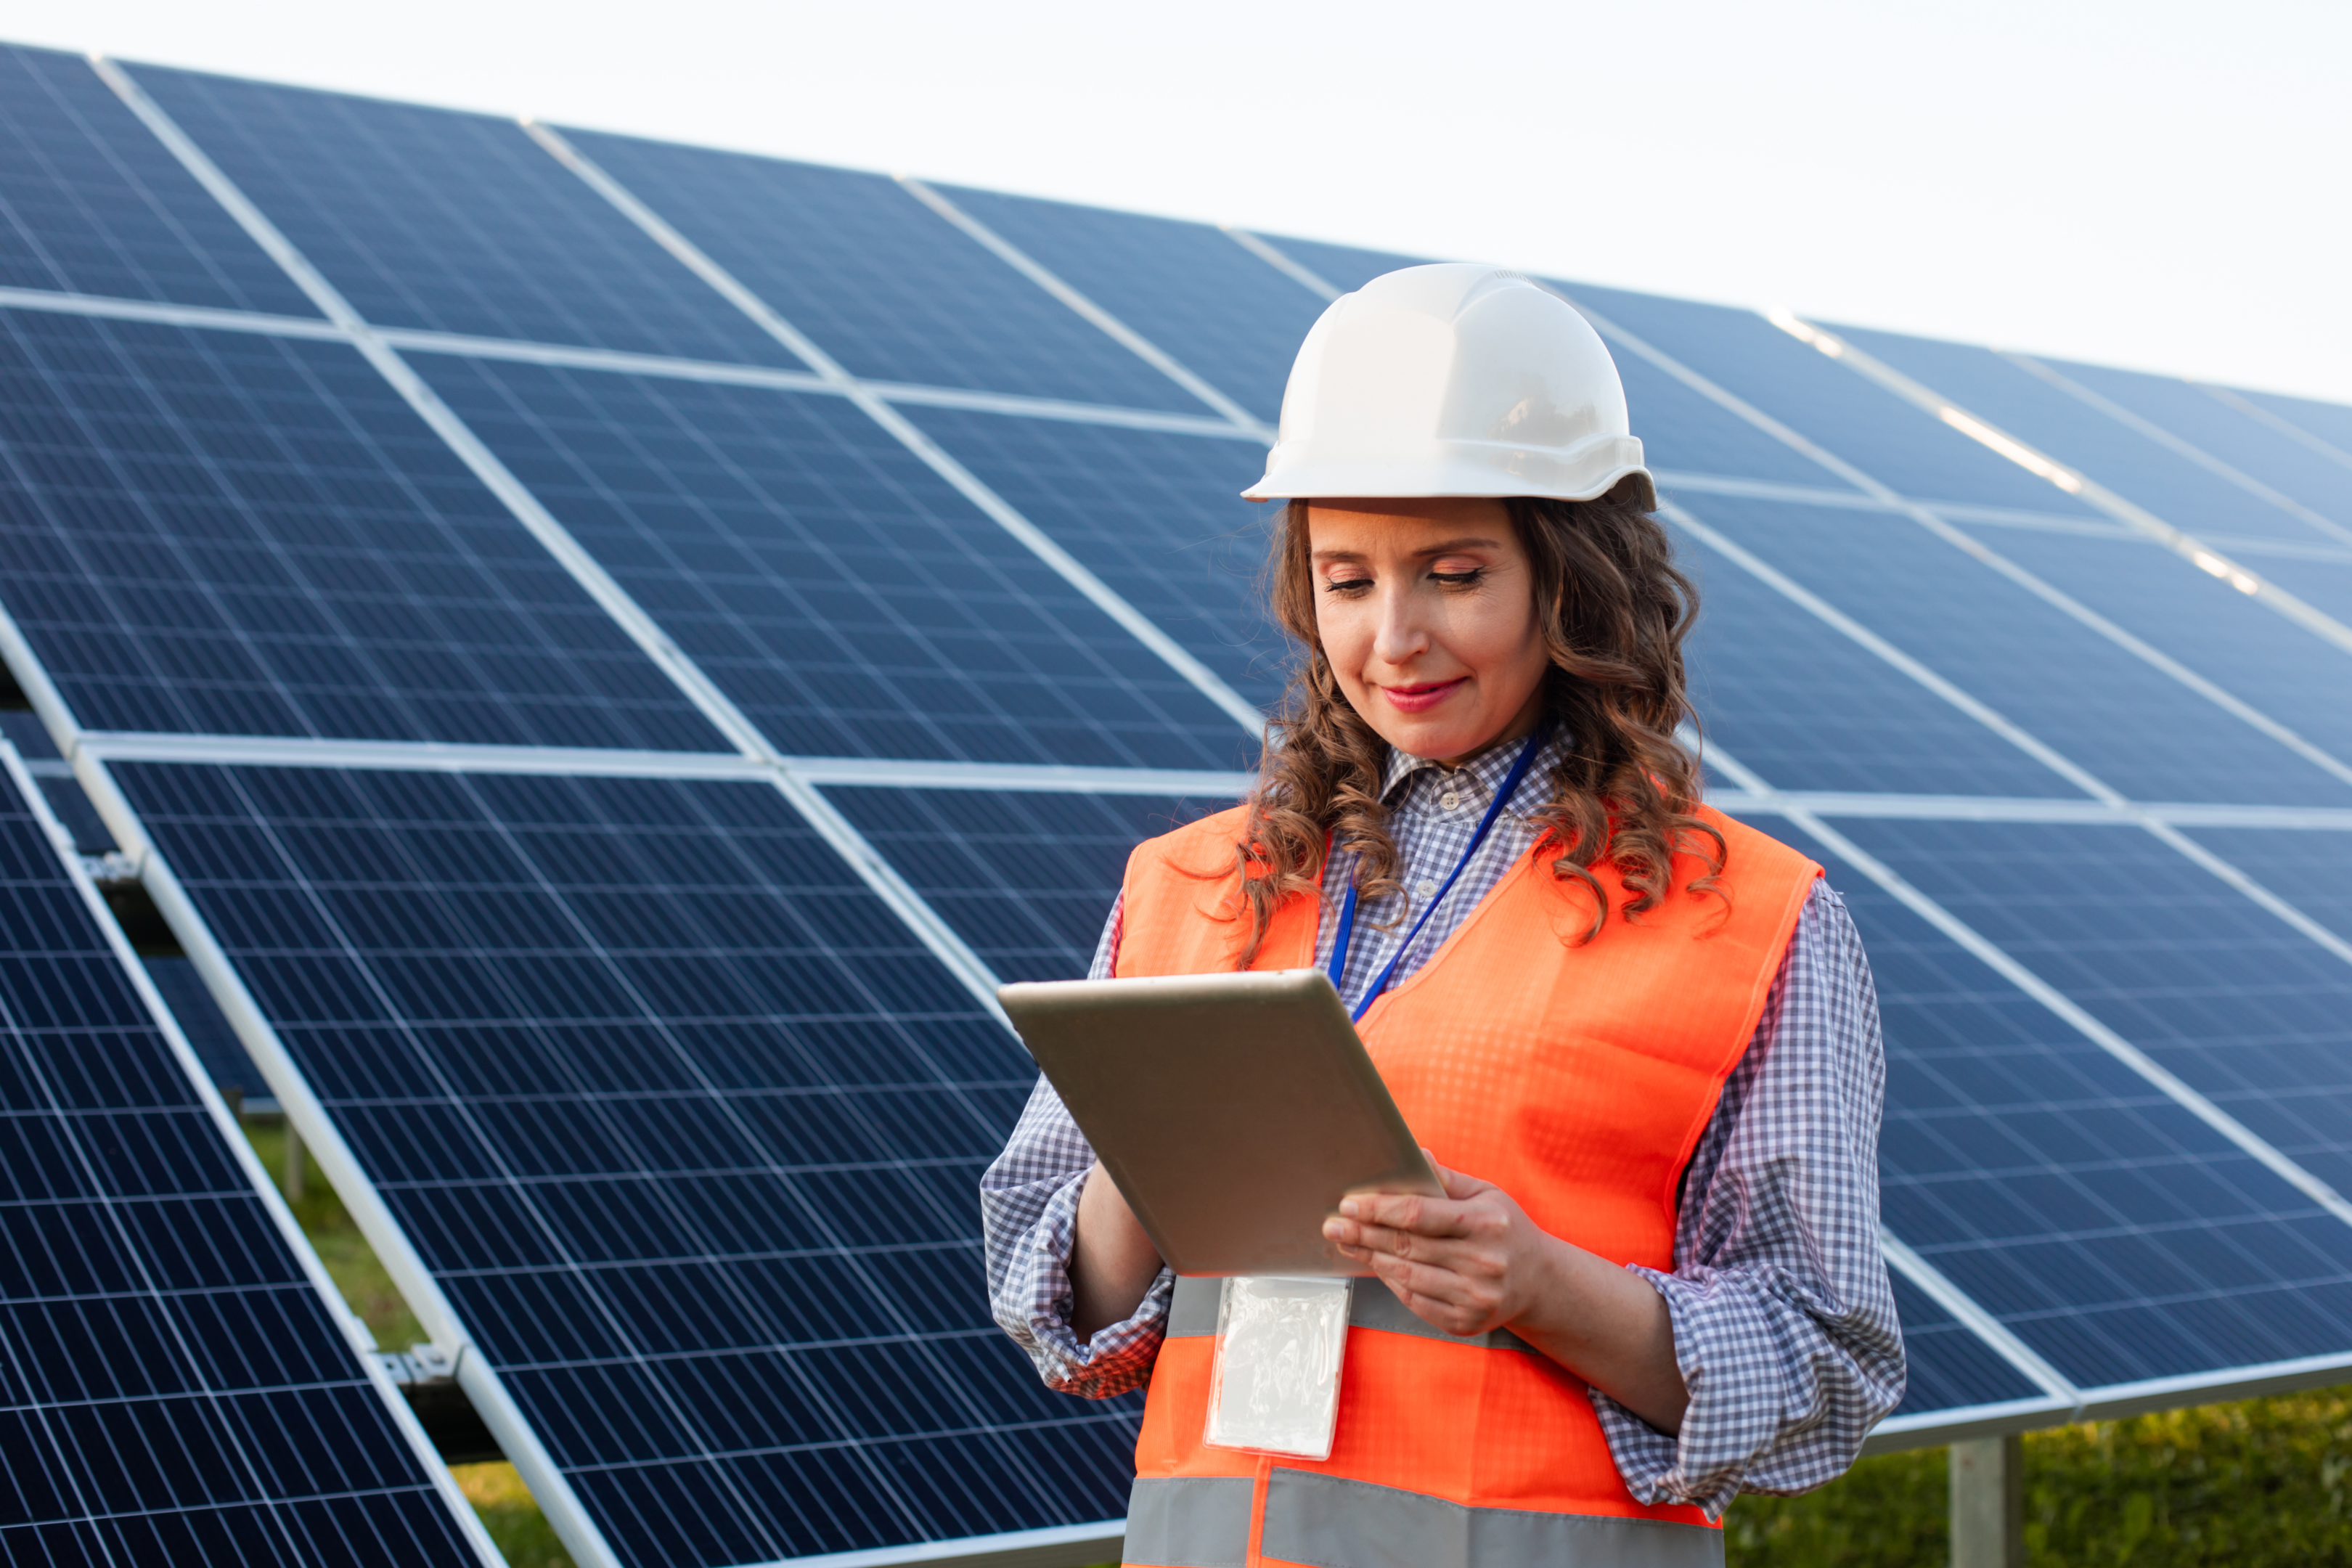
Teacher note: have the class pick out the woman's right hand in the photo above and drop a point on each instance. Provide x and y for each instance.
(1112, 1260)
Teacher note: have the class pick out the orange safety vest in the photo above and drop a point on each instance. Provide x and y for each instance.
(1576, 1077)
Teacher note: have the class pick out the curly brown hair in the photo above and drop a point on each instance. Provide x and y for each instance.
(1614, 609)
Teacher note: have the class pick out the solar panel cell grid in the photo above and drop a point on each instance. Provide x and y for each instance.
(90, 203)
(2100, 1220)
(2226, 432)
(1028, 879)
(1809, 708)
(838, 590)
(1950, 1367)
(172, 1386)
(248, 535)
(1896, 444)
(877, 279)
(1191, 289)
(1993, 387)
(685, 1125)
(2245, 1009)
(459, 223)
(1158, 517)
(2243, 645)
(2131, 724)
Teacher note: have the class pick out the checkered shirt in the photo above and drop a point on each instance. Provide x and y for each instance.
(1784, 1322)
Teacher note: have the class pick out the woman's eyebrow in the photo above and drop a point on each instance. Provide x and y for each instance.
(1464, 543)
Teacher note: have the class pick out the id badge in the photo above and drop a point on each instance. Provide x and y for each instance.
(1275, 1386)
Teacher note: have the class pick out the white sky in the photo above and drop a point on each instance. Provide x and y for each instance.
(2149, 183)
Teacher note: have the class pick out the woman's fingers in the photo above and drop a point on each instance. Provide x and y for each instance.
(1407, 1211)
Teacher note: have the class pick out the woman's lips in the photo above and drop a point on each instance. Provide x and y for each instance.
(1423, 698)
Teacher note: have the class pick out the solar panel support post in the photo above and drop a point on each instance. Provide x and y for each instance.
(1988, 1485)
(294, 1183)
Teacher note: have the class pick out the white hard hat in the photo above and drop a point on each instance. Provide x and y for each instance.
(1452, 380)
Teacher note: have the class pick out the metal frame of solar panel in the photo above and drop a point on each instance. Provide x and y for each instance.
(179, 1380)
(654, 1054)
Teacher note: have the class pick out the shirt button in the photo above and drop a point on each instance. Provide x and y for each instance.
(1450, 801)
(1424, 889)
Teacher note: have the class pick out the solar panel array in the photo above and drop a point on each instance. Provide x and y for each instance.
(176, 1385)
(606, 652)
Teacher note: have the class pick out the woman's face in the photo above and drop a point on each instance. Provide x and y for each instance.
(1427, 613)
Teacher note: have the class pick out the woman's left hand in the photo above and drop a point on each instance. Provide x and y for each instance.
(1473, 1261)
(1469, 1262)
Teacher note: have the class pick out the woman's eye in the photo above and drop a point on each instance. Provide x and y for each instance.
(1347, 585)
(1459, 579)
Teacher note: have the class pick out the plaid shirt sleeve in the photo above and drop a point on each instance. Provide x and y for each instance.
(1784, 1321)
(1029, 1216)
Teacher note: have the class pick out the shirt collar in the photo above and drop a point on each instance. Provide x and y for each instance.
(1485, 771)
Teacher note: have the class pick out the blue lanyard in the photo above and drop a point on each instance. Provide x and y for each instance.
(1339, 965)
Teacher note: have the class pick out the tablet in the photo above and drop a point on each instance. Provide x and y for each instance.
(1233, 1111)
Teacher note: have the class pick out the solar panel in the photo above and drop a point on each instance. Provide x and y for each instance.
(91, 204)
(174, 1387)
(880, 281)
(1191, 289)
(1822, 400)
(240, 534)
(684, 1125)
(454, 223)
(2152, 472)
(1024, 877)
(2130, 723)
(2227, 432)
(1156, 515)
(837, 588)
(659, 1062)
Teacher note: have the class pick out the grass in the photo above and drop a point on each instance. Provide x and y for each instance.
(2261, 1484)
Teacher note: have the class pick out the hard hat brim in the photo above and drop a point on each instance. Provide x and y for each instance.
(1586, 471)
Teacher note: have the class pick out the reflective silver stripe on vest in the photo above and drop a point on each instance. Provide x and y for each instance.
(1332, 1522)
(1190, 1521)
(1193, 1312)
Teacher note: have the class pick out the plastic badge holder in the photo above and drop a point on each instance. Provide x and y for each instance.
(1276, 1386)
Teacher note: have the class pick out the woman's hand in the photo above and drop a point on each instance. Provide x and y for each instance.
(1473, 1261)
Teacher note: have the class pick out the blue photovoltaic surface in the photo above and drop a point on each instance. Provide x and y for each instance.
(2311, 870)
(684, 1121)
(238, 534)
(459, 223)
(90, 203)
(2052, 420)
(1809, 708)
(1343, 267)
(173, 1386)
(1158, 517)
(2130, 724)
(2231, 638)
(1026, 880)
(2225, 431)
(2326, 424)
(2242, 1007)
(1949, 1366)
(1224, 314)
(2100, 1220)
(848, 599)
(1898, 444)
(877, 279)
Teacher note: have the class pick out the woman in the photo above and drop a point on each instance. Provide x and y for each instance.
(1640, 1039)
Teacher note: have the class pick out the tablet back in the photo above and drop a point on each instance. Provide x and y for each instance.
(1233, 1111)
